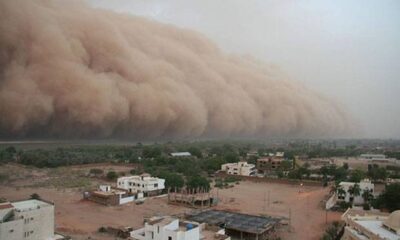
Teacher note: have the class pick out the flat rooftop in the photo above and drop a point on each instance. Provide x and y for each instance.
(235, 221)
(30, 204)
(377, 228)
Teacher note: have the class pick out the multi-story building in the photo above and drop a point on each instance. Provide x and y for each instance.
(30, 220)
(365, 185)
(364, 225)
(271, 162)
(239, 168)
(149, 186)
(167, 228)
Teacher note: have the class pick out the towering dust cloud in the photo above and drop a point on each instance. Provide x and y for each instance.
(68, 70)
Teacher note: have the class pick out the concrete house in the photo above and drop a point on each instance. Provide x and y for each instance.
(167, 228)
(271, 162)
(149, 186)
(240, 168)
(111, 196)
(365, 185)
(30, 220)
(181, 154)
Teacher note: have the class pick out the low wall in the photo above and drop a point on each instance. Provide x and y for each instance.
(273, 180)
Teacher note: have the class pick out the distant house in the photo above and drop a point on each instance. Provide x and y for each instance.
(108, 195)
(149, 186)
(373, 156)
(167, 228)
(181, 154)
(270, 163)
(239, 168)
(30, 219)
(365, 185)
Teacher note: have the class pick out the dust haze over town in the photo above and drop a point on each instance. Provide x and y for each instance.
(199, 120)
(137, 78)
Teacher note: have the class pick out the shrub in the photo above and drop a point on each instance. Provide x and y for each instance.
(96, 171)
(366, 206)
(111, 175)
(35, 196)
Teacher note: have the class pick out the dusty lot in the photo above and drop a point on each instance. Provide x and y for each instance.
(304, 204)
(81, 219)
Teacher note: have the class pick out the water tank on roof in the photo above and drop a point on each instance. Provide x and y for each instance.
(189, 226)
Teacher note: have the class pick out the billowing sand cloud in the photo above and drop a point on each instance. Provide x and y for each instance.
(68, 70)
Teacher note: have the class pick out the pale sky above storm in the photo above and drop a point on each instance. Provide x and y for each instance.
(348, 50)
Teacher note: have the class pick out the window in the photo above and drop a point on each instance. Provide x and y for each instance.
(158, 229)
(169, 238)
(156, 185)
(11, 230)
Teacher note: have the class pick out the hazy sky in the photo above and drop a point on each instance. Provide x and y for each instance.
(346, 49)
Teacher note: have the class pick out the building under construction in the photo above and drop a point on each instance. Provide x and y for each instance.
(195, 198)
(237, 225)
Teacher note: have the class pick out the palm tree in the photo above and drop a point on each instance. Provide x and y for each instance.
(367, 196)
(354, 191)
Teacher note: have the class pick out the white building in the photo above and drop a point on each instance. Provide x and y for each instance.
(240, 168)
(373, 156)
(365, 185)
(167, 228)
(144, 183)
(181, 154)
(30, 220)
(364, 225)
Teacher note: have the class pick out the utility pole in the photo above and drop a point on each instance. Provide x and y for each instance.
(265, 193)
(269, 197)
(326, 216)
(290, 219)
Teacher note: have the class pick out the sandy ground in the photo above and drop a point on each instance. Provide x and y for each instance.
(81, 219)
(302, 203)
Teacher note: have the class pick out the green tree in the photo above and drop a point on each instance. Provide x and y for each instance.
(196, 182)
(357, 175)
(112, 175)
(340, 174)
(354, 191)
(172, 180)
(151, 152)
(389, 198)
(195, 152)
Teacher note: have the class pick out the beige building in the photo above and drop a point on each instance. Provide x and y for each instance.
(30, 220)
(239, 168)
(371, 225)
